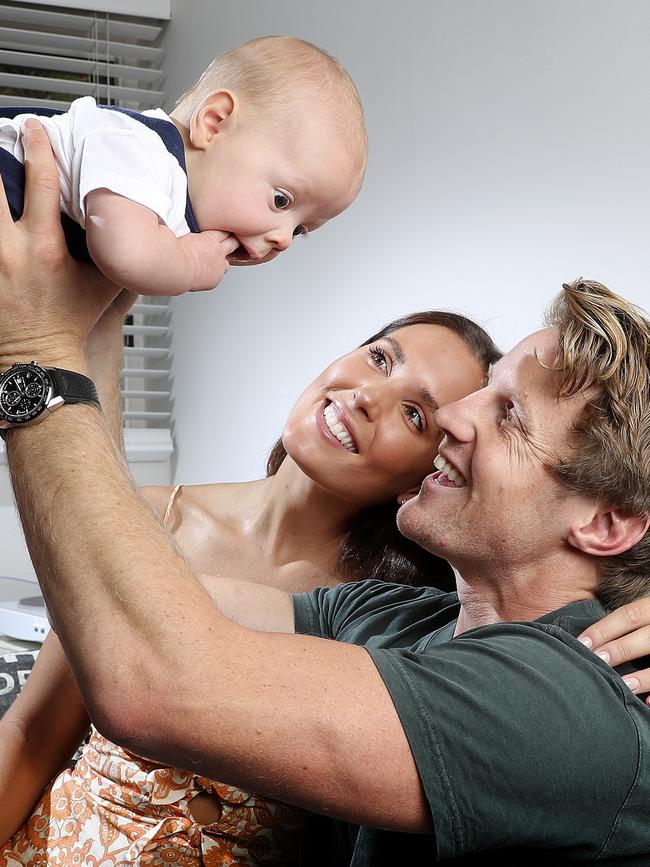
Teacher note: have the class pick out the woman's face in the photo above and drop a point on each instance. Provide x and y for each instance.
(364, 430)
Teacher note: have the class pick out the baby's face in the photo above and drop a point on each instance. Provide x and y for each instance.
(267, 186)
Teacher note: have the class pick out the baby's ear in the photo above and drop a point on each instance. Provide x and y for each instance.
(212, 116)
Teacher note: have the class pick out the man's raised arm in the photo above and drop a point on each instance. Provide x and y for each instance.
(162, 671)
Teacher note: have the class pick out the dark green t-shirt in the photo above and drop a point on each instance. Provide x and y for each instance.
(523, 738)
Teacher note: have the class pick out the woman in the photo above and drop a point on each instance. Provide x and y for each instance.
(357, 444)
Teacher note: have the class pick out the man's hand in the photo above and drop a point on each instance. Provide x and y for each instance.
(49, 302)
(207, 254)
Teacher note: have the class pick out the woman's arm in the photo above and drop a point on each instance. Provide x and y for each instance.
(622, 636)
(133, 249)
(38, 734)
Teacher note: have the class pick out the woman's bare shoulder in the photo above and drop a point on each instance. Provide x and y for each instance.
(157, 496)
(206, 498)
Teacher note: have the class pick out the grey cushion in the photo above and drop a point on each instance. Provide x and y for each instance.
(14, 671)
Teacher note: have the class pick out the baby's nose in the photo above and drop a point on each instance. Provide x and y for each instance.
(281, 238)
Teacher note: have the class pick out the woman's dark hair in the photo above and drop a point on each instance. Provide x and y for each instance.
(373, 547)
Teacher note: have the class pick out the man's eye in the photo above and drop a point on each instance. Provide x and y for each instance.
(509, 416)
(281, 200)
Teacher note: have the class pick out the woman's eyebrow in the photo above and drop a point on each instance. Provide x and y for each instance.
(396, 346)
(400, 358)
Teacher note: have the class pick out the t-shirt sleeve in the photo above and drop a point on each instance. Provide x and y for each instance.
(361, 612)
(116, 152)
(503, 729)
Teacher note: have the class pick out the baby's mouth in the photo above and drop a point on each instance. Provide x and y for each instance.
(240, 256)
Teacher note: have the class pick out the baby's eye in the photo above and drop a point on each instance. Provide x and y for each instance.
(300, 230)
(281, 200)
(415, 417)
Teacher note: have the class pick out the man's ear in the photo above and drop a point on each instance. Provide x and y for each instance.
(610, 532)
(211, 117)
(406, 495)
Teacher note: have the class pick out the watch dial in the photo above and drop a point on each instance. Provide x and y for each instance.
(24, 390)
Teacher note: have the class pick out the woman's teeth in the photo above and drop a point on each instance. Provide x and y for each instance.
(338, 428)
(452, 474)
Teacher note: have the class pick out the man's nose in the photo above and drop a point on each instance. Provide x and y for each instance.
(457, 419)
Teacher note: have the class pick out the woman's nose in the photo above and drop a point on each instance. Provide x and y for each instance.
(366, 399)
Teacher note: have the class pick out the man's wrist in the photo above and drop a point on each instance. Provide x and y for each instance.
(47, 358)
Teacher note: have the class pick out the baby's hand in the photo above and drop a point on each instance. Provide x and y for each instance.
(207, 257)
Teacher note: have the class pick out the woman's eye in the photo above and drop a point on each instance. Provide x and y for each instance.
(300, 230)
(415, 417)
(281, 200)
(379, 358)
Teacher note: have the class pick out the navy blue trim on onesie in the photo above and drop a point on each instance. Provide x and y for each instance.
(13, 172)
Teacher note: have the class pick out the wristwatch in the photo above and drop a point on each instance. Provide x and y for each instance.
(28, 392)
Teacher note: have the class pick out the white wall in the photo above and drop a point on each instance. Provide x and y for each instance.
(510, 151)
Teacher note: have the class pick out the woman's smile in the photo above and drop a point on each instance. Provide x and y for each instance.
(337, 426)
(332, 427)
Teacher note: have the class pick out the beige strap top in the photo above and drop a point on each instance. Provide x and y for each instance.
(170, 505)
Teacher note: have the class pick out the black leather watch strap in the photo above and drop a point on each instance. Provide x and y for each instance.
(73, 387)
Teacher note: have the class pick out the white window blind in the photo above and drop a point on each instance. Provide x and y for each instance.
(51, 54)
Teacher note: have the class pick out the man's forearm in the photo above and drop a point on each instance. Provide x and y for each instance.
(74, 494)
(106, 374)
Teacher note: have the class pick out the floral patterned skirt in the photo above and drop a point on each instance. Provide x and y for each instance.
(113, 808)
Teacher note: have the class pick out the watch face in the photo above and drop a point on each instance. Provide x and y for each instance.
(24, 390)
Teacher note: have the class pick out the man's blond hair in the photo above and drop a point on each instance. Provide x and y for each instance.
(605, 347)
(278, 74)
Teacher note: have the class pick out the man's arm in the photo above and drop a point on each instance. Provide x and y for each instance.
(131, 247)
(161, 671)
(168, 676)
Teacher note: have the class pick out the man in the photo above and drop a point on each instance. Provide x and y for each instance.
(512, 736)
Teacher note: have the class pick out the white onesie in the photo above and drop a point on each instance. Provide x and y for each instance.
(98, 148)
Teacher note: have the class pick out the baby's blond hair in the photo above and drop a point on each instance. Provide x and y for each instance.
(279, 73)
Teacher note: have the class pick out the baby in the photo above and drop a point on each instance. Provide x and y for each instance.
(269, 144)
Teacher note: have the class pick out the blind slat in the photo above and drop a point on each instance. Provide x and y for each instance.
(79, 23)
(80, 88)
(144, 373)
(151, 309)
(66, 44)
(149, 395)
(148, 330)
(34, 101)
(82, 67)
(146, 415)
(147, 351)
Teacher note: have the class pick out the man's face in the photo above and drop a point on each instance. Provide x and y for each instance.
(503, 509)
